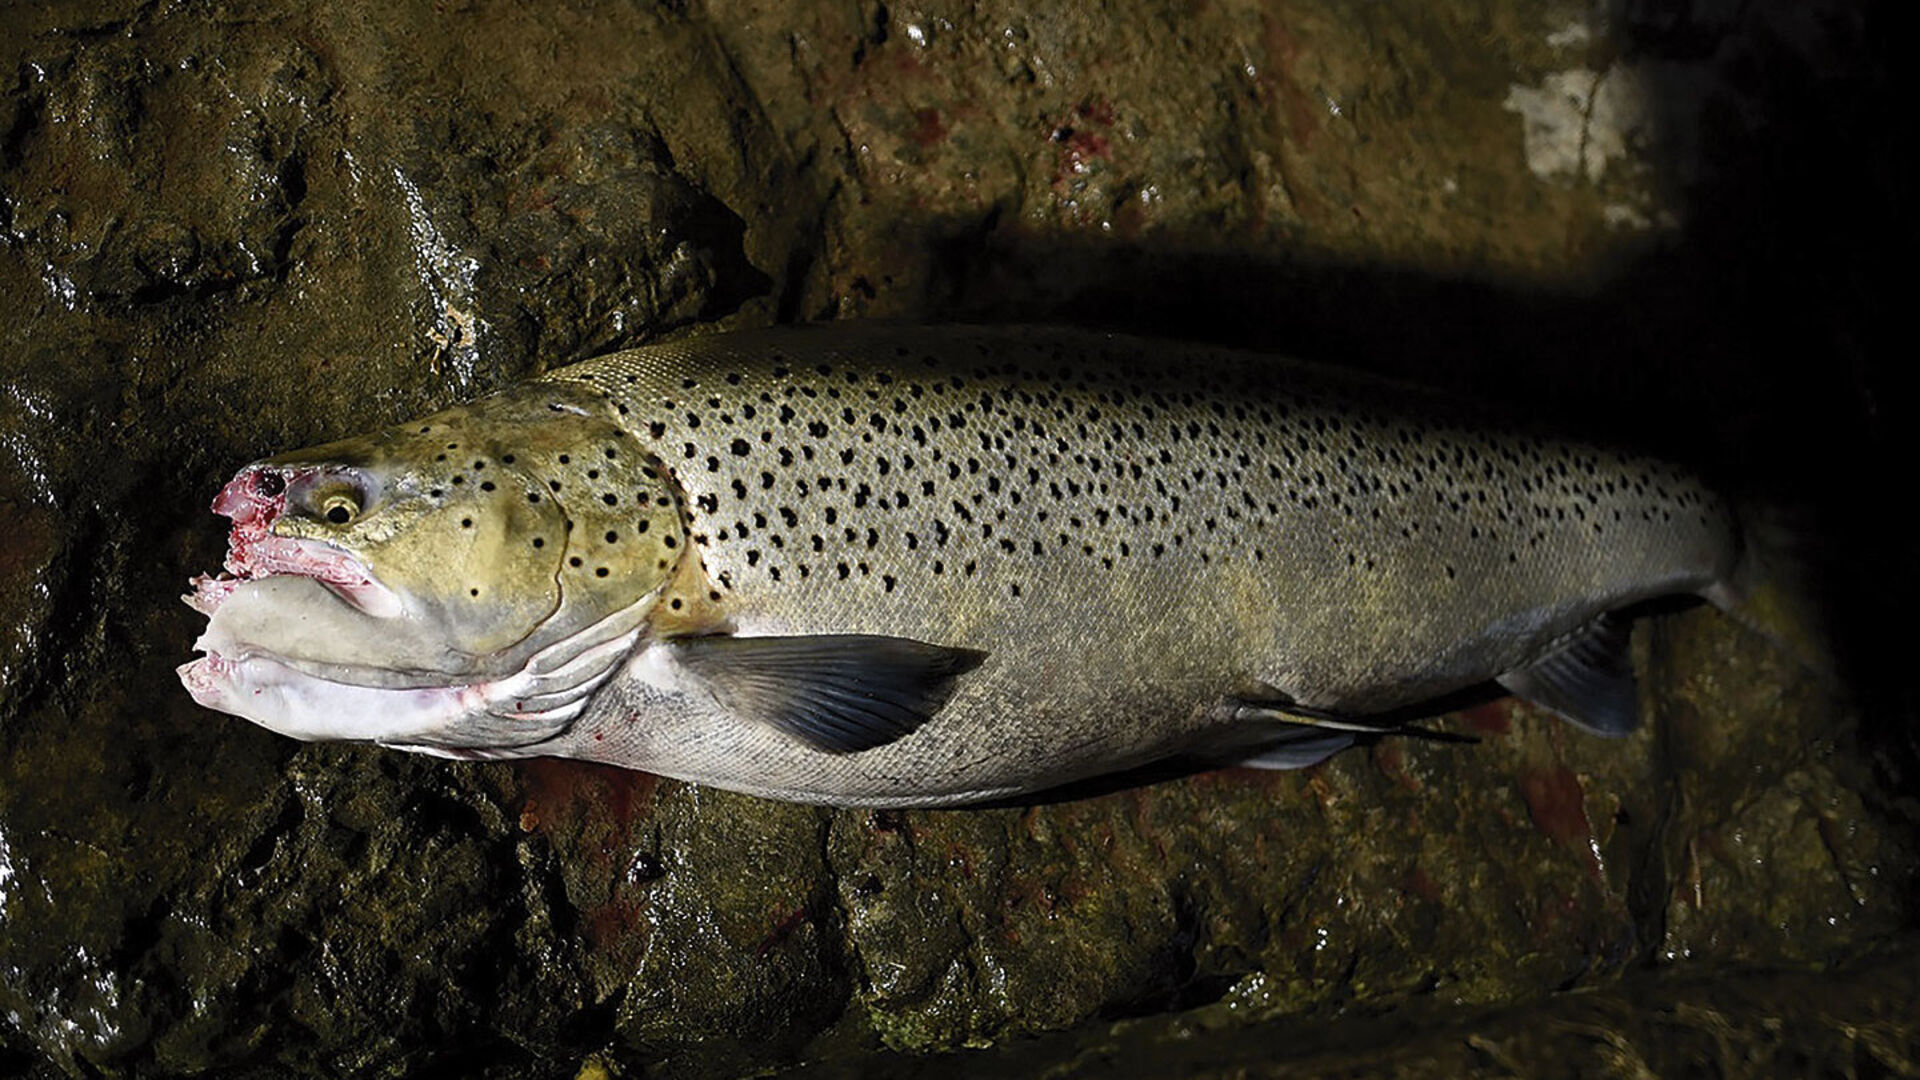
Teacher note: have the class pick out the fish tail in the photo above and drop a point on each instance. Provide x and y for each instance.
(1780, 585)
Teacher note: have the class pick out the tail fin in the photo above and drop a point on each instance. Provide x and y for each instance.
(1779, 588)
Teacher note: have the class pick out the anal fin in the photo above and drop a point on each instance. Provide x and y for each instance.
(1586, 679)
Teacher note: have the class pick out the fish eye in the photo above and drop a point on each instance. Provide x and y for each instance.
(339, 509)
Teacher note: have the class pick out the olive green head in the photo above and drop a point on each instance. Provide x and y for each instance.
(456, 544)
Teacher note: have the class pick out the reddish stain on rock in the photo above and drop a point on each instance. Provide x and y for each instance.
(781, 931)
(1423, 886)
(927, 127)
(1080, 144)
(1558, 805)
(1096, 111)
(1391, 760)
(1489, 719)
(1236, 776)
(960, 860)
(565, 795)
(1283, 53)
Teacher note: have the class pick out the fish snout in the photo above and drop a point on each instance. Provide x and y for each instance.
(255, 494)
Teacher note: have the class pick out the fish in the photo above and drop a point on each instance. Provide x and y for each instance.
(881, 565)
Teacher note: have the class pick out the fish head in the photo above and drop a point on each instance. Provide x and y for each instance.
(433, 556)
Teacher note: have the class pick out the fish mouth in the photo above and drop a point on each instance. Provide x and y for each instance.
(238, 675)
(254, 500)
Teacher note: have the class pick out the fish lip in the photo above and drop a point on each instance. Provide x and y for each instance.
(255, 499)
(341, 572)
(205, 677)
(224, 667)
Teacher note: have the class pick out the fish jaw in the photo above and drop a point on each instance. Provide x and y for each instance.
(254, 500)
(297, 626)
(294, 703)
(491, 718)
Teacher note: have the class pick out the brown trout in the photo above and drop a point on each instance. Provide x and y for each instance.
(890, 566)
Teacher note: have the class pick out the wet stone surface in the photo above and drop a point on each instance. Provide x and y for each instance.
(230, 231)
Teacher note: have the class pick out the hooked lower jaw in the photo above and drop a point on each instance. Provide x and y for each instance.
(220, 683)
(288, 701)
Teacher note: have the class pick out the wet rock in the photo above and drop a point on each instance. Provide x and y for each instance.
(225, 234)
(229, 232)
(1772, 850)
(144, 172)
(31, 565)
(1742, 1023)
(704, 921)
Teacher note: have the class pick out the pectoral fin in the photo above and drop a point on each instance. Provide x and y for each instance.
(1587, 679)
(839, 693)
